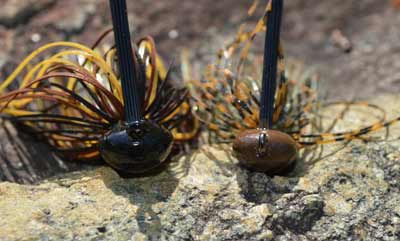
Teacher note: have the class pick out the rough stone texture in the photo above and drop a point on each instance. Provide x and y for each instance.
(340, 192)
(343, 192)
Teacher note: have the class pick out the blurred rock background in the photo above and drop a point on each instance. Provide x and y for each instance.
(313, 31)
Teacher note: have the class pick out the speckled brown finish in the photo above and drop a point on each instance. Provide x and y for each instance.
(274, 156)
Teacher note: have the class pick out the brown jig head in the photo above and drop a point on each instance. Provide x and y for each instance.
(267, 128)
(263, 150)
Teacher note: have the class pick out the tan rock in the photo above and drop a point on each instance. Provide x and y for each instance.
(207, 196)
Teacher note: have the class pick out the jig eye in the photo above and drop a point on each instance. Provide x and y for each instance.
(262, 150)
(136, 148)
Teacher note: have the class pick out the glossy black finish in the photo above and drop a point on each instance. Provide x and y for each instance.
(136, 148)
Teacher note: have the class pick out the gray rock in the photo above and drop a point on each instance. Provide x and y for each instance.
(75, 21)
(14, 12)
(343, 192)
(3, 59)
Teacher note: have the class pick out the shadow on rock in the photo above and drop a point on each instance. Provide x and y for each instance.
(295, 211)
(256, 187)
(25, 159)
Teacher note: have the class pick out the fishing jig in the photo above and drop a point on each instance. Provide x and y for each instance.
(117, 104)
(267, 127)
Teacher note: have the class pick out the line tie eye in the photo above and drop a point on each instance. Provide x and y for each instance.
(135, 130)
(262, 143)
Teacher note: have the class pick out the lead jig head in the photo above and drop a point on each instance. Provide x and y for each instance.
(262, 150)
(118, 104)
(238, 107)
(137, 147)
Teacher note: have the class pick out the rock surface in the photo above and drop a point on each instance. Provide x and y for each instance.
(343, 192)
(340, 192)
